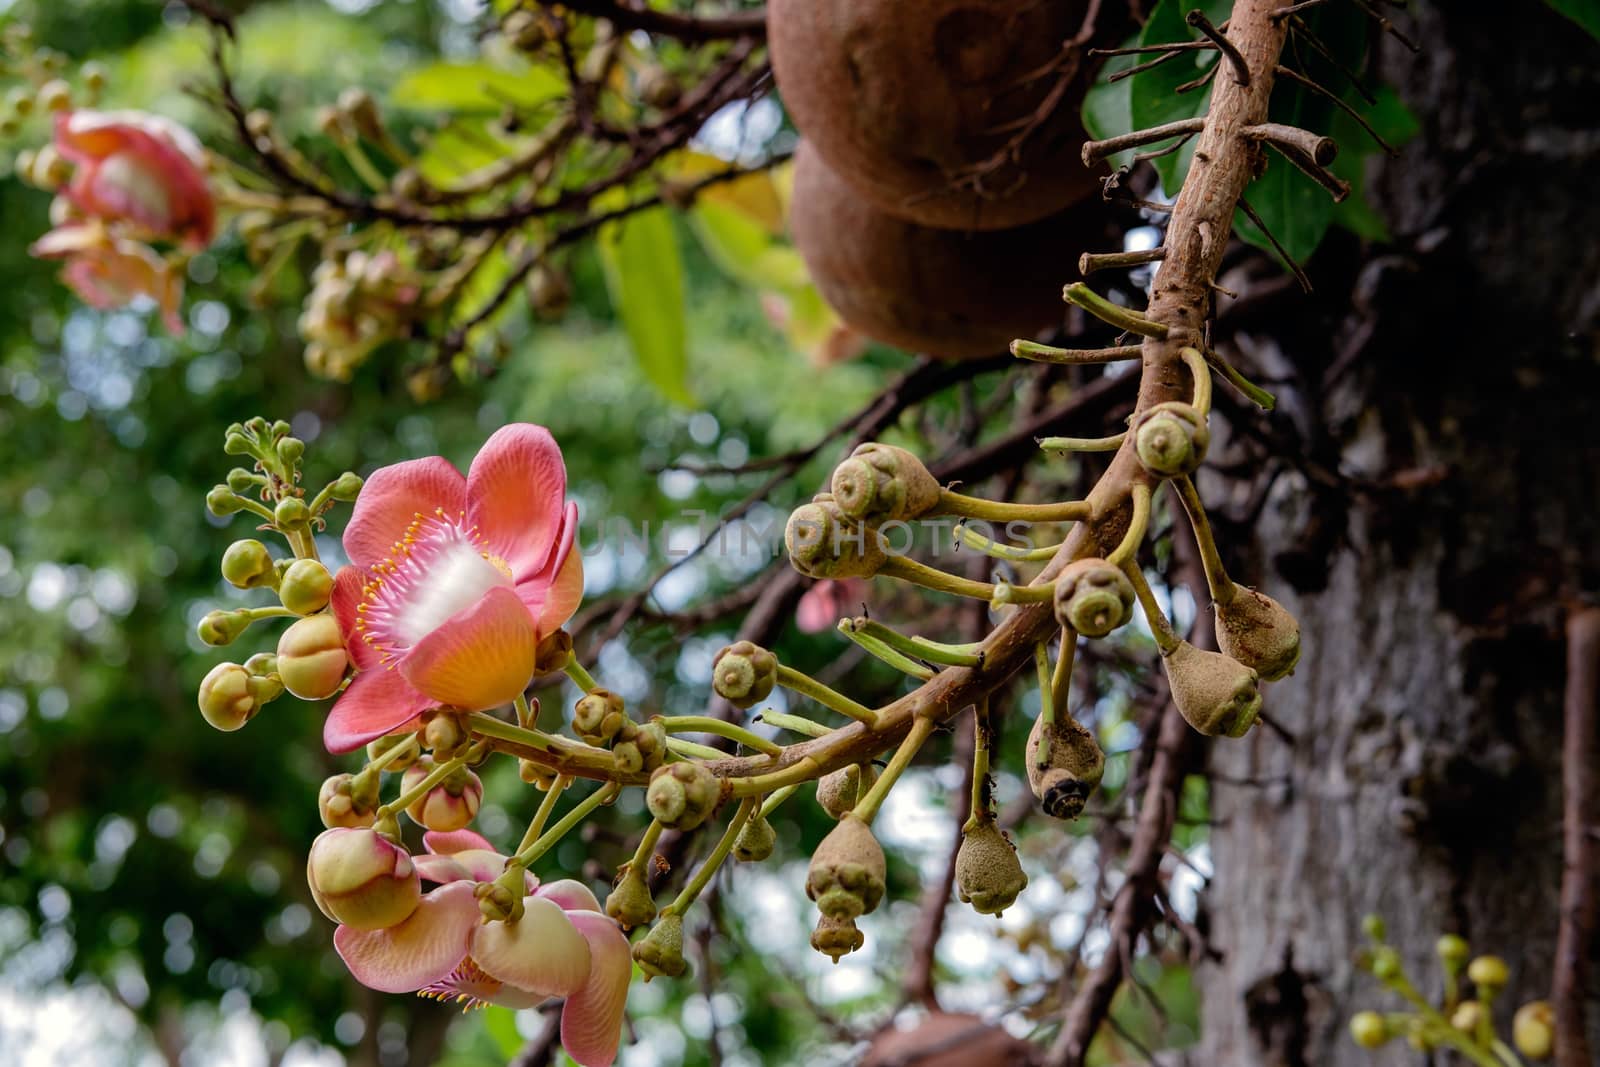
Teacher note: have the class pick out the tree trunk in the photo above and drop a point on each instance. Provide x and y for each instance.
(1423, 783)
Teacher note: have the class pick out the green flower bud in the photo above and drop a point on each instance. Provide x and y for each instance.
(262, 664)
(882, 483)
(291, 514)
(311, 657)
(258, 426)
(988, 874)
(536, 774)
(242, 481)
(682, 795)
(598, 716)
(413, 750)
(443, 734)
(1171, 438)
(660, 952)
(838, 790)
(1093, 597)
(1258, 632)
(824, 542)
(836, 938)
(1374, 927)
(640, 747)
(1065, 765)
(1218, 695)
(227, 697)
(1467, 1016)
(305, 587)
(1533, 1030)
(235, 442)
(1386, 964)
(756, 841)
(847, 873)
(346, 487)
(629, 901)
(222, 627)
(1453, 952)
(337, 805)
(1368, 1029)
(362, 879)
(222, 501)
(450, 805)
(291, 450)
(1490, 972)
(744, 674)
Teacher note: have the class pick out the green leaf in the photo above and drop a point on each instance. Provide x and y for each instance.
(1585, 13)
(476, 88)
(644, 275)
(743, 249)
(1395, 123)
(501, 1026)
(1153, 95)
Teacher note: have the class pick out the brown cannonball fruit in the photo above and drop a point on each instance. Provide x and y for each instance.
(949, 1039)
(902, 96)
(947, 293)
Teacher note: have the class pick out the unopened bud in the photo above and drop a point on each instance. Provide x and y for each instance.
(311, 657)
(755, 841)
(824, 542)
(1368, 1029)
(640, 747)
(1258, 632)
(660, 952)
(882, 483)
(408, 742)
(630, 902)
(291, 514)
(1093, 597)
(346, 487)
(291, 450)
(443, 734)
(362, 879)
(553, 653)
(848, 874)
(1217, 694)
(227, 698)
(305, 587)
(598, 716)
(222, 501)
(839, 790)
(338, 806)
(1467, 1016)
(1171, 439)
(744, 674)
(450, 805)
(988, 874)
(1533, 1030)
(222, 627)
(1453, 952)
(54, 95)
(1489, 973)
(682, 795)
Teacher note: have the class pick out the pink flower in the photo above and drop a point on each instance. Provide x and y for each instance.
(563, 946)
(141, 169)
(107, 271)
(825, 602)
(455, 581)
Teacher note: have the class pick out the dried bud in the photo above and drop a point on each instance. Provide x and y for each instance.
(640, 747)
(756, 841)
(222, 627)
(1216, 694)
(1258, 632)
(682, 795)
(1093, 597)
(338, 805)
(882, 483)
(839, 790)
(1064, 766)
(553, 653)
(836, 938)
(1368, 1029)
(413, 750)
(230, 696)
(1171, 438)
(988, 874)
(824, 542)
(248, 565)
(305, 587)
(362, 879)
(744, 674)
(848, 872)
(630, 902)
(450, 805)
(311, 657)
(1533, 1030)
(1490, 972)
(660, 952)
(598, 716)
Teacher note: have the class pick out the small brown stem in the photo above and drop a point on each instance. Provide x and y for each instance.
(1580, 896)
(1294, 268)
(1321, 150)
(1094, 151)
(1090, 262)
(1241, 70)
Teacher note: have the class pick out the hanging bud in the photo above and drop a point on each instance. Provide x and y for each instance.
(443, 734)
(682, 795)
(311, 657)
(291, 450)
(744, 674)
(848, 872)
(1489, 973)
(755, 841)
(1218, 695)
(1171, 439)
(1065, 765)
(824, 542)
(882, 483)
(630, 902)
(230, 696)
(306, 587)
(450, 805)
(536, 774)
(838, 790)
(222, 501)
(1258, 632)
(248, 565)
(1093, 597)
(988, 874)
(346, 487)
(412, 752)
(598, 716)
(242, 481)
(362, 879)
(1533, 1030)
(640, 747)
(223, 627)
(660, 952)
(552, 653)
(291, 514)
(338, 805)
(1369, 1030)
(836, 938)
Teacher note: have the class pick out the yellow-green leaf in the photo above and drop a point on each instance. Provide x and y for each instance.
(644, 275)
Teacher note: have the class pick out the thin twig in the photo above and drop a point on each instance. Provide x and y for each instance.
(1241, 70)
(1299, 274)
(1344, 105)
(1580, 895)
(671, 24)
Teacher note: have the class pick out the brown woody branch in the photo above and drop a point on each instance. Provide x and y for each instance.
(694, 28)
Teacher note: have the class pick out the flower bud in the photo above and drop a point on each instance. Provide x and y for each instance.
(1467, 1016)
(660, 952)
(222, 501)
(443, 734)
(744, 674)
(362, 879)
(450, 805)
(338, 805)
(755, 841)
(882, 483)
(499, 902)
(682, 795)
(262, 664)
(222, 627)
(988, 874)
(311, 657)
(248, 565)
(1216, 694)
(836, 937)
(1490, 972)
(242, 481)
(848, 872)
(639, 747)
(1368, 1029)
(1093, 597)
(1386, 964)
(228, 697)
(629, 901)
(552, 653)
(291, 514)
(1533, 1030)
(346, 487)
(824, 542)
(1258, 632)
(54, 95)
(412, 752)
(598, 715)
(291, 450)
(537, 775)
(1171, 438)
(1374, 927)
(306, 587)
(1453, 952)
(838, 790)
(1065, 765)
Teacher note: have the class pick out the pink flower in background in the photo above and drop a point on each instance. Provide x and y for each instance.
(454, 582)
(111, 272)
(141, 169)
(826, 602)
(563, 946)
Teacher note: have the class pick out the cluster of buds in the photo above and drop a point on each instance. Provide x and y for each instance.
(356, 303)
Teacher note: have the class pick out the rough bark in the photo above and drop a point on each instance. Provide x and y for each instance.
(1424, 780)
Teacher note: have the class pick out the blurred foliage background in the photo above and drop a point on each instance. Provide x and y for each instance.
(152, 899)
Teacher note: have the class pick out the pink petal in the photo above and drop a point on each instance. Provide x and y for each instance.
(347, 586)
(443, 843)
(376, 702)
(515, 490)
(422, 950)
(816, 611)
(591, 1021)
(542, 952)
(394, 496)
(569, 895)
(481, 657)
(442, 869)
(566, 589)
